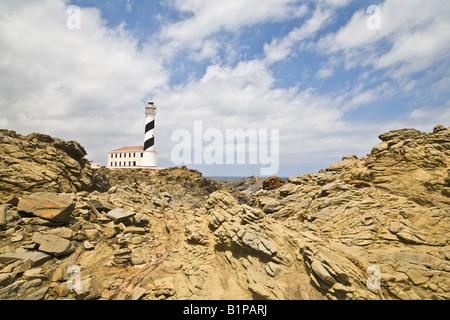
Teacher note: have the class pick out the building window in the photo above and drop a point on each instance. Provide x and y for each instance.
(129, 163)
(129, 155)
(134, 163)
(115, 164)
(142, 154)
(134, 155)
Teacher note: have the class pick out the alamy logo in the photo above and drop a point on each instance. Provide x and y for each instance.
(73, 21)
(374, 21)
(74, 279)
(236, 146)
(374, 279)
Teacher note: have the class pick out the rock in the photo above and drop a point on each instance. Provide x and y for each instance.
(119, 214)
(101, 205)
(53, 244)
(137, 293)
(38, 294)
(273, 183)
(380, 147)
(272, 269)
(17, 237)
(62, 232)
(122, 256)
(61, 290)
(333, 187)
(137, 259)
(35, 273)
(251, 215)
(36, 258)
(222, 207)
(11, 290)
(6, 279)
(40, 222)
(416, 277)
(196, 235)
(288, 189)
(158, 202)
(110, 231)
(87, 245)
(49, 206)
(249, 185)
(89, 289)
(259, 292)
(39, 162)
(322, 273)
(3, 209)
(92, 234)
(446, 192)
(134, 230)
(60, 274)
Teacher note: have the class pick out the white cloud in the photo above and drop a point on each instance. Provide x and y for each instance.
(419, 50)
(415, 33)
(280, 49)
(335, 3)
(246, 97)
(209, 17)
(85, 84)
(427, 117)
(327, 69)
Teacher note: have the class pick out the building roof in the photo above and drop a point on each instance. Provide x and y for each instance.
(129, 149)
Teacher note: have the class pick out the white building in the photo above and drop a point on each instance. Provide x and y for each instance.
(94, 165)
(138, 156)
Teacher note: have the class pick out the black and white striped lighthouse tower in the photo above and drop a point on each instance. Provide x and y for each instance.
(150, 155)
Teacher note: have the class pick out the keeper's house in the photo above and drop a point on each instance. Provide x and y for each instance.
(128, 157)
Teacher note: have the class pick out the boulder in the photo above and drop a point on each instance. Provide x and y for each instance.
(101, 205)
(49, 206)
(53, 244)
(36, 258)
(273, 183)
(119, 214)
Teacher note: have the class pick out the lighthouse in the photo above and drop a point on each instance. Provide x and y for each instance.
(138, 156)
(150, 155)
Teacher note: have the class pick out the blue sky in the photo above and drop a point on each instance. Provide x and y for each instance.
(313, 70)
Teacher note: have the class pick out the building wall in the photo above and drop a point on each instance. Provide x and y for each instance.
(129, 159)
(132, 159)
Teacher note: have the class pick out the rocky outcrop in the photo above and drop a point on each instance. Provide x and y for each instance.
(405, 160)
(352, 231)
(175, 185)
(273, 183)
(248, 185)
(38, 162)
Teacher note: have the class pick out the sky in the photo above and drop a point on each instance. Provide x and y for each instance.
(329, 75)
